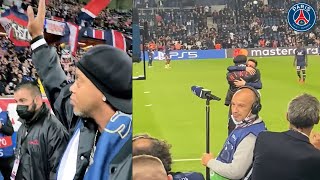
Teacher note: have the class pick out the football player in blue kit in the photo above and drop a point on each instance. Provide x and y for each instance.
(301, 61)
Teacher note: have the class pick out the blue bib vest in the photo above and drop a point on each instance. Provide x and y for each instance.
(6, 145)
(234, 139)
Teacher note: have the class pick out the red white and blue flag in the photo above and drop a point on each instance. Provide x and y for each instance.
(15, 25)
(116, 39)
(92, 10)
(111, 37)
(94, 33)
(73, 37)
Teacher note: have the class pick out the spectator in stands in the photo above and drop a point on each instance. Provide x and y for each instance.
(290, 149)
(32, 75)
(2, 86)
(148, 167)
(235, 158)
(15, 67)
(145, 144)
(235, 24)
(9, 90)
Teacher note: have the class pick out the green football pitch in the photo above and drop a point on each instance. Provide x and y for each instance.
(165, 107)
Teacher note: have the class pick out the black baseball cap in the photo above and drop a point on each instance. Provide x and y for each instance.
(110, 70)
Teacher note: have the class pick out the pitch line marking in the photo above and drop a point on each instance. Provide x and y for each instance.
(183, 160)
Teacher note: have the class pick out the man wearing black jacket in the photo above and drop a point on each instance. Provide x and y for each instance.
(290, 155)
(41, 139)
(6, 145)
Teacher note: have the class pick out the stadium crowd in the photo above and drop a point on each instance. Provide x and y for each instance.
(16, 66)
(246, 24)
(108, 18)
(67, 10)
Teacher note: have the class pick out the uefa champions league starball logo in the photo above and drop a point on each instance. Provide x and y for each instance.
(301, 17)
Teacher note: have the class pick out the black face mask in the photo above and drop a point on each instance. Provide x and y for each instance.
(23, 112)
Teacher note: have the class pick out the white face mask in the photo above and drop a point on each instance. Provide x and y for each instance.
(234, 121)
(242, 121)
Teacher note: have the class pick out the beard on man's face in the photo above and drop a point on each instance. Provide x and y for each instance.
(81, 114)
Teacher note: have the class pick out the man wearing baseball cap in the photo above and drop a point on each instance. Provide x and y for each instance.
(96, 109)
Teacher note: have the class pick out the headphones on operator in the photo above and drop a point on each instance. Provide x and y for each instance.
(256, 106)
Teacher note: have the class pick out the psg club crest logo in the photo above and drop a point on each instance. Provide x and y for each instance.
(301, 17)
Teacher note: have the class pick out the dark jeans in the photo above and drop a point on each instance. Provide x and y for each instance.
(6, 165)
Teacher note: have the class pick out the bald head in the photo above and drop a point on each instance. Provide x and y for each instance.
(245, 94)
(148, 167)
(241, 103)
